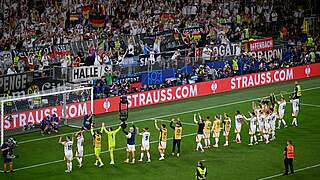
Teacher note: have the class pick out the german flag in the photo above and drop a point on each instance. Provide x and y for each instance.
(74, 17)
(86, 11)
(164, 17)
(196, 35)
(97, 21)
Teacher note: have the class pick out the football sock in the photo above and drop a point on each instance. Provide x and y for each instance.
(206, 142)
(111, 156)
(70, 164)
(284, 122)
(100, 161)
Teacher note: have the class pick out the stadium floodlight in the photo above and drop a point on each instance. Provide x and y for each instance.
(23, 114)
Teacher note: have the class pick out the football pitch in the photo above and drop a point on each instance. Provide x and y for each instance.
(41, 157)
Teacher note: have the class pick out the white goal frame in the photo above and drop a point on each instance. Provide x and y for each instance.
(41, 94)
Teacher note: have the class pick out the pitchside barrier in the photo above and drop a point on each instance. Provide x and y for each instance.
(79, 109)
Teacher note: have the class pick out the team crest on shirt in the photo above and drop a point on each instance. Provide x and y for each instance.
(307, 71)
(214, 87)
(106, 105)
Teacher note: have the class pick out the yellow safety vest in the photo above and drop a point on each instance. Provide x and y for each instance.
(40, 54)
(117, 45)
(9, 103)
(238, 19)
(299, 92)
(202, 173)
(313, 57)
(37, 101)
(310, 41)
(235, 65)
(16, 60)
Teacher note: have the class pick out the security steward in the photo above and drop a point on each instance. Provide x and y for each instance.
(201, 171)
(288, 154)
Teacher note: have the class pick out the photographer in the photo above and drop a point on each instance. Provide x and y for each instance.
(7, 154)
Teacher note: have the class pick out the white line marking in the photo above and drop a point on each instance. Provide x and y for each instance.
(280, 174)
(151, 118)
(58, 161)
(311, 105)
(190, 124)
(55, 136)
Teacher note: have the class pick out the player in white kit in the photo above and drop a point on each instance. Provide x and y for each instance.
(266, 130)
(68, 154)
(238, 123)
(282, 107)
(253, 128)
(272, 121)
(260, 118)
(145, 145)
(79, 152)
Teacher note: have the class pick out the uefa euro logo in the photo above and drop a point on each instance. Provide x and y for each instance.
(308, 71)
(214, 87)
(106, 105)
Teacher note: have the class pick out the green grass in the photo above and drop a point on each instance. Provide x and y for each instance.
(238, 161)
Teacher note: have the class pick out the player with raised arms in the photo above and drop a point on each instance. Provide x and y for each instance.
(207, 132)
(238, 124)
(177, 136)
(253, 120)
(111, 140)
(281, 111)
(145, 144)
(272, 120)
(163, 134)
(97, 138)
(266, 130)
(79, 152)
(200, 133)
(68, 154)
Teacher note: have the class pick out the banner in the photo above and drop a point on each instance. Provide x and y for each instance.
(72, 47)
(43, 84)
(87, 73)
(164, 95)
(265, 44)
(13, 83)
(275, 53)
(226, 50)
(5, 56)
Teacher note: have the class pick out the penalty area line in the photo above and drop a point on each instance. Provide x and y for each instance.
(297, 170)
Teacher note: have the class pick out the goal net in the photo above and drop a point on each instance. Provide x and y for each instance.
(47, 110)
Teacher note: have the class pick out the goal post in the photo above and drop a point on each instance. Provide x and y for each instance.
(23, 114)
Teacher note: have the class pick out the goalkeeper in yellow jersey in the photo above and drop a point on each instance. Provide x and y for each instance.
(97, 138)
(111, 139)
